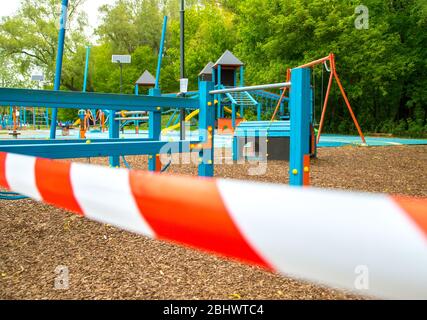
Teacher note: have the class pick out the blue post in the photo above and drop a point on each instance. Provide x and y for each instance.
(113, 133)
(86, 68)
(311, 103)
(300, 124)
(206, 129)
(233, 124)
(242, 76)
(235, 150)
(155, 129)
(10, 116)
(214, 83)
(85, 77)
(259, 108)
(233, 115)
(137, 121)
(59, 57)
(219, 96)
(162, 44)
(213, 77)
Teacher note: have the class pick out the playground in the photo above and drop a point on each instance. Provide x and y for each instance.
(230, 191)
(326, 141)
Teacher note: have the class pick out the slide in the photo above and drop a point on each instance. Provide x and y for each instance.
(178, 125)
(231, 111)
(77, 123)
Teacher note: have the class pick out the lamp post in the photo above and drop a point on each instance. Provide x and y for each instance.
(121, 59)
(114, 128)
(121, 77)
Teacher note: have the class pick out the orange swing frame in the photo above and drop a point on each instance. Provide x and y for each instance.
(334, 75)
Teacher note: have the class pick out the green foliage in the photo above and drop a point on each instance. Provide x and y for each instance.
(383, 68)
(28, 40)
(9, 76)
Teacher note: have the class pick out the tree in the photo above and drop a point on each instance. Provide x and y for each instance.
(9, 75)
(29, 39)
(383, 68)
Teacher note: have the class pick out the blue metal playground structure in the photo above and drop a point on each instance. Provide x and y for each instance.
(260, 100)
(224, 74)
(153, 104)
(210, 98)
(26, 117)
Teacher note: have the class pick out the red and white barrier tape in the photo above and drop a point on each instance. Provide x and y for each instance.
(316, 235)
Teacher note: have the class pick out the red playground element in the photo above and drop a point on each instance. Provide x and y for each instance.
(334, 74)
(307, 170)
(225, 126)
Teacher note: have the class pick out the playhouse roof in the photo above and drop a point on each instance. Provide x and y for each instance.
(207, 70)
(228, 59)
(146, 79)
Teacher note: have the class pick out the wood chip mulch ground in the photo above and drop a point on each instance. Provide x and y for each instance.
(106, 263)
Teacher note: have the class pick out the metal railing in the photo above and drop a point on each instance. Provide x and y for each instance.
(252, 88)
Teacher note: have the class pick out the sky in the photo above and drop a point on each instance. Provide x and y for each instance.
(9, 7)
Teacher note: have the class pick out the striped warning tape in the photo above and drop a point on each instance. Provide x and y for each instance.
(324, 236)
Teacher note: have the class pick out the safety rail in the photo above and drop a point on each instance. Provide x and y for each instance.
(79, 100)
(252, 88)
